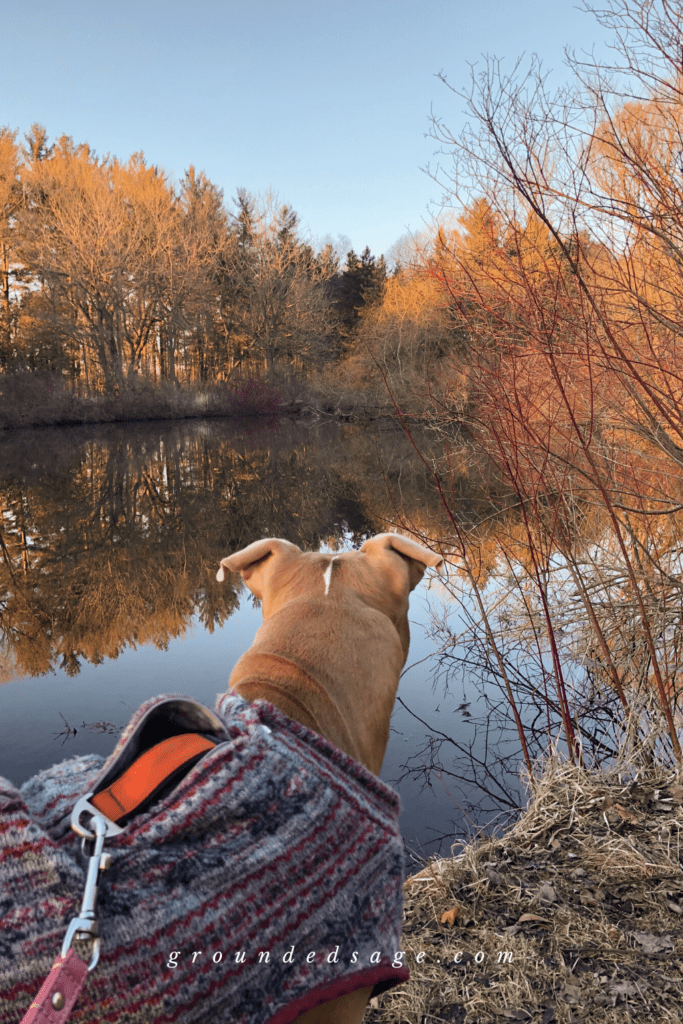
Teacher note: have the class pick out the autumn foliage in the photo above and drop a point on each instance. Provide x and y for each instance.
(111, 273)
(560, 287)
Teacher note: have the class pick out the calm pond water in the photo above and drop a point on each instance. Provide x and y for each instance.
(111, 537)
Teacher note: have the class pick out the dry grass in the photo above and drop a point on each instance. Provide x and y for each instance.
(32, 399)
(585, 892)
(35, 399)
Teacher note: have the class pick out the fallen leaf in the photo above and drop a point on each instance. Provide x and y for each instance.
(641, 794)
(653, 943)
(677, 793)
(516, 1014)
(548, 1015)
(573, 993)
(448, 917)
(601, 1000)
(622, 988)
(546, 894)
(532, 917)
(626, 814)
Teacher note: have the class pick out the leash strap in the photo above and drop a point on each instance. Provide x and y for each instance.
(59, 991)
(125, 796)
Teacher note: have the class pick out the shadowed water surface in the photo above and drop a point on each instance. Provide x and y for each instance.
(110, 542)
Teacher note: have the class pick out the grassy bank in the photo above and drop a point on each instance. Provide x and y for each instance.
(584, 894)
(30, 400)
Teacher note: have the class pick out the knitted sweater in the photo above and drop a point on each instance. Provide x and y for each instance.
(268, 881)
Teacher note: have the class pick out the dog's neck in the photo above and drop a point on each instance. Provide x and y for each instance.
(279, 680)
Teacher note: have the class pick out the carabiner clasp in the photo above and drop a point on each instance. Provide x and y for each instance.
(85, 925)
(85, 807)
(89, 927)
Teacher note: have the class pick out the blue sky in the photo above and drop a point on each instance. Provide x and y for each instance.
(326, 103)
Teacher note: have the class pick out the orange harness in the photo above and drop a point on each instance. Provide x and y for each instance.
(148, 774)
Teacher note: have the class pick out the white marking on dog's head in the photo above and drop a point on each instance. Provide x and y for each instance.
(328, 576)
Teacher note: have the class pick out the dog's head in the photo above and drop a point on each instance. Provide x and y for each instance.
(382, 573)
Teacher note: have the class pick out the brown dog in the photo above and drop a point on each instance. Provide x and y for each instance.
(330, 652)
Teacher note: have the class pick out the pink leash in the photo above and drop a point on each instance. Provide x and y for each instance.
(59, 991)
(61, 988)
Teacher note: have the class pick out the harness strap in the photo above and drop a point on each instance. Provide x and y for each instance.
(148, 774)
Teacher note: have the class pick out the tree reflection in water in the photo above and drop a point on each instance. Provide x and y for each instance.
(111, 537)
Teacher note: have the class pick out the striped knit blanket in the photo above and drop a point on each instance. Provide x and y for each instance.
(268, 881)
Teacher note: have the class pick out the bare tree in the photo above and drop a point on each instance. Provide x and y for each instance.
(95, 233)
(10, 199)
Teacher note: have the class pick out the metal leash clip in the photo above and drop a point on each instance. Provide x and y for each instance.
(84, 926)
(139, 775)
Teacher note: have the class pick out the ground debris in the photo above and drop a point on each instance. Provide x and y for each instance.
(575, 914)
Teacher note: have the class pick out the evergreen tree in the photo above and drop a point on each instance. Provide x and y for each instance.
(360, 286)
(244, 218)
(36, 143)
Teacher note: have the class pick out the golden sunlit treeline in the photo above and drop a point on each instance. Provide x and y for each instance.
(111, 274)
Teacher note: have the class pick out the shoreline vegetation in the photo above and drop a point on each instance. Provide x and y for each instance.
(34, 400)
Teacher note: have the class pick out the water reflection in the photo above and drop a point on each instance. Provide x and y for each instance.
(112, 538)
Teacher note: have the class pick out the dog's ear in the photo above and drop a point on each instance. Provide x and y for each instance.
(419, 557)
(245, 561)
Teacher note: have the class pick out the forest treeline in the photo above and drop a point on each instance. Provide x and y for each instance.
(111, 274)
(562, 260)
